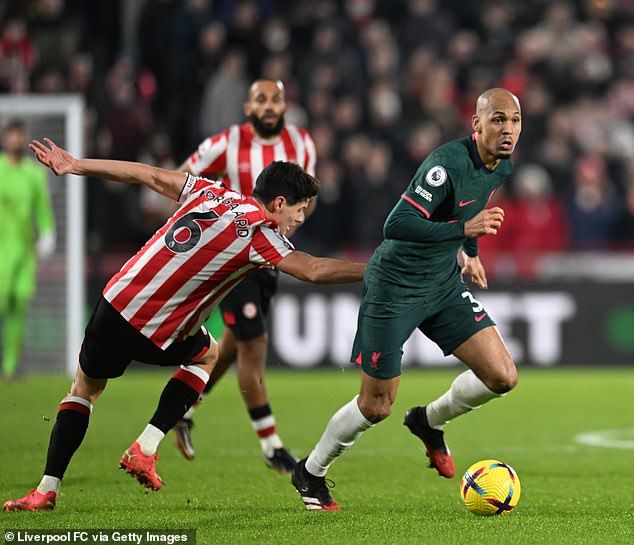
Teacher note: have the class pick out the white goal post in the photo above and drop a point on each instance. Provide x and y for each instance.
(60, 117)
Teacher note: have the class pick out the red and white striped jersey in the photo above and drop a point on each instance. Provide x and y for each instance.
(216, 237)
(238, 155)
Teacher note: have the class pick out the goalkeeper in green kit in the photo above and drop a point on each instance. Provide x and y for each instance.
(413, 281)
(28, 232)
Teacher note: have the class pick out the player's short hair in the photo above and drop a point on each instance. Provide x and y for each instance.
(287, 180)
(15, 124)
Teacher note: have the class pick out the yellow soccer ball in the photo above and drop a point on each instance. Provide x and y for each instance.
(490, 487)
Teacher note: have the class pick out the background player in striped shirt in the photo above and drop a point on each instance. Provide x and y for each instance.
(153, 309)
(237, 156)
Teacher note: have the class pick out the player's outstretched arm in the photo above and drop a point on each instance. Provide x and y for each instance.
(321, 270)
(166, 182)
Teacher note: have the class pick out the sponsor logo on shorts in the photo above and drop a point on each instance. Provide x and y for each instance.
(480, 317)
(250, 310)
(465, 203)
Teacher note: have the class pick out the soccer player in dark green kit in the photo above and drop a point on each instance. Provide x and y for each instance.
(413, 280)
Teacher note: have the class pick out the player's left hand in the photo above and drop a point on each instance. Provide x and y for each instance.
(51, 156)
(473, 266)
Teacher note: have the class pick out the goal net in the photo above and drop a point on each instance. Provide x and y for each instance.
(56, 315)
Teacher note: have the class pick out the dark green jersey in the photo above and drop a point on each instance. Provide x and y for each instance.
(426, 227)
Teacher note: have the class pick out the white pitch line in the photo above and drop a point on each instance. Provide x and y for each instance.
(620, 438)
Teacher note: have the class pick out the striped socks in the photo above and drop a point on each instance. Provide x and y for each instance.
(66, 436)
(179, 394)
(263, 423)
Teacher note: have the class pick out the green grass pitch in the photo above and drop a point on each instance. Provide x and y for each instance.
(572, 493)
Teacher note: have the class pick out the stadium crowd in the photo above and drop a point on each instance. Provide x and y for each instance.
(379, 84)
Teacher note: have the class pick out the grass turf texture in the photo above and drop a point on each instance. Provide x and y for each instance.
(571, 493)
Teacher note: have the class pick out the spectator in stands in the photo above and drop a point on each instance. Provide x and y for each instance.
(535, 224)
(243, 33)
(17, 57)
(56, 33)
(212, 42)
(375, 187)
(537, 221)
(333, 215)
(592, 206)
(224, 93)
(127, 123)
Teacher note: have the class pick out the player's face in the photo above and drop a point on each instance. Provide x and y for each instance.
(14, 142)
(265, 107)
(288, 216)
(498, 126)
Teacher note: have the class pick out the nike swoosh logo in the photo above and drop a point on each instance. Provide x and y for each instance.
(465, 203)
(479, 318)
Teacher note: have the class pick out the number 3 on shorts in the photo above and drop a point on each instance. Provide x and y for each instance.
(477, 305)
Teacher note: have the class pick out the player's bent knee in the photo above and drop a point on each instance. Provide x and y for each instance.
(375, 412)
(504, 381)
(376, 416)
(87, 387)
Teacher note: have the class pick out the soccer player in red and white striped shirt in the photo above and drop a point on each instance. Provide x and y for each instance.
(239, 153)
(237, 156)
(153, 309)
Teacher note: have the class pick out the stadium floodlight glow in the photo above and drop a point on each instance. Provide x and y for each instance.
(40, 112)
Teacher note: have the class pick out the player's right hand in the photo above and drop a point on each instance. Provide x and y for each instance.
(53, 157)
(486, 222)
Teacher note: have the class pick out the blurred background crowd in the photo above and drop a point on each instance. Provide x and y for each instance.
(378, 83)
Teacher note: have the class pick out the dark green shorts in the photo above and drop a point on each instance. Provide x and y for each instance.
(448, 319)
